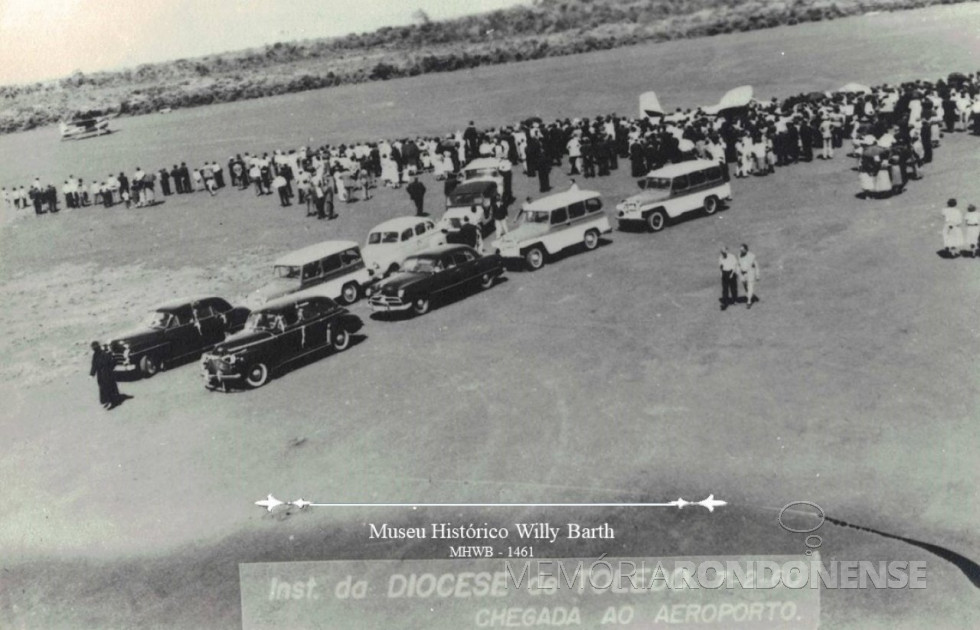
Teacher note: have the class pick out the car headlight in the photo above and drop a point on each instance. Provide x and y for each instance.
(401, 293)
(230, 359)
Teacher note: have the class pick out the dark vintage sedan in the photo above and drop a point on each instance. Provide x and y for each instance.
(176, 331)
(434, 274)
(279, 333)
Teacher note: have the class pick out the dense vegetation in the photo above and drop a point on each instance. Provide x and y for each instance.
(544, 29)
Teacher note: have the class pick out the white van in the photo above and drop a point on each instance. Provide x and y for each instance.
(674, 190)
(552, 224)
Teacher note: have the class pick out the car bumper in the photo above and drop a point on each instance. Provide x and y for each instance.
(388, 304)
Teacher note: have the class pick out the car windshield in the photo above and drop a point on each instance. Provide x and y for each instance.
(382, 237)
(536, 216)
(482, 173)
(260, 321)
(288, 271)
(423, 265)
(157, 319)
(658, 183)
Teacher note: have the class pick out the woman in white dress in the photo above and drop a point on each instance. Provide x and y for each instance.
(341, 185)
(389, 171)
(953, 229)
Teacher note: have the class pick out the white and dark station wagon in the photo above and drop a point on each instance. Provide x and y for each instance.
(675, 190)
(552, 224)
(334, 269)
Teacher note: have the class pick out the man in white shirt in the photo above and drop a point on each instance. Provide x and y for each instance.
(729, 278)
(748, 269)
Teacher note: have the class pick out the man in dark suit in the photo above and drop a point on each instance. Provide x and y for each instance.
(416, 191)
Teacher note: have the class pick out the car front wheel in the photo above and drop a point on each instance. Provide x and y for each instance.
(534, 258)
(711, 205)
(349, 293)
(149, 365)
(257, 375)
(656, 220)
(486, 281)
(341, 340)
(591, 239)
(421, 306)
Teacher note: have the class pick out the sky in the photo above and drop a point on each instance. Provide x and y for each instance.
(45, 39)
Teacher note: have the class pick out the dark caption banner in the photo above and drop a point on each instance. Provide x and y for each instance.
(775, 592)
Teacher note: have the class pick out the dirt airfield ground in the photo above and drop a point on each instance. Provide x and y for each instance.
(606, 376)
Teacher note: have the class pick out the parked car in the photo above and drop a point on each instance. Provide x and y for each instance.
(471, 201)
(279, 333)
(391, 242)
(334, 269)
(432, 275)
(674, 190)
(490, 169)
(552, 224)
(174, 331)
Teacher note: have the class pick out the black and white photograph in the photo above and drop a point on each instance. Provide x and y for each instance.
(462, 314)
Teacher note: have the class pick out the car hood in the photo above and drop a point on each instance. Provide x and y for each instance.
(648, 196)
(401, 280)
(241, 341)
(138, 337)
(525, 231)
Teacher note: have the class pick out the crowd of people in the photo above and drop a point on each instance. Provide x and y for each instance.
(891, 131)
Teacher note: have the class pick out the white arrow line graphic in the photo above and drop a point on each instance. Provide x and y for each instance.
(709, 503)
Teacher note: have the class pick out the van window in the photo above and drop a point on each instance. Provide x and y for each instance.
(407, 234)
(593, 205)
(331, 263)
(714, 173)
(311, 270)
(420, 229)
(697, 178)
(559, 216)
(350, 257)
(680, 183)
(576, 210)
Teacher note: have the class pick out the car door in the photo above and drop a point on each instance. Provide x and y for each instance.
(210, 325)
(183, 334)
(291, 336)
(558, 229)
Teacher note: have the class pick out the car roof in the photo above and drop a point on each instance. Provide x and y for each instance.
(179, 303)
(290, 300)
(486, 162)
(562, 199)
(315, 252)
(399, 223)
(682, 168)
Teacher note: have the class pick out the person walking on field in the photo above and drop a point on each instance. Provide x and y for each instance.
(416, 190)
(103, 369)
(952, 230)
(972, 220)
(748, 270)
(728, 263)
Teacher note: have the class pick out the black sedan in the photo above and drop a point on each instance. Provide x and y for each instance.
(434, 274)
(176, 331)
(279, 333)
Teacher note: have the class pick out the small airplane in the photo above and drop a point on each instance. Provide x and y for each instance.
(270, 503)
